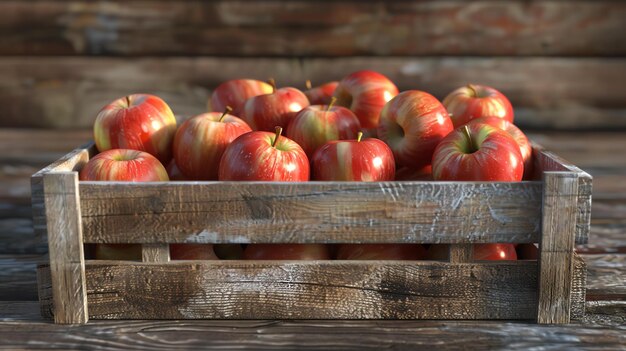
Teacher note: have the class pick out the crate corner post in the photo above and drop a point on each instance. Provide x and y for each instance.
(65, 245)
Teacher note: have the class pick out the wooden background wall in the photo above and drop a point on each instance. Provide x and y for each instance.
(560, 62)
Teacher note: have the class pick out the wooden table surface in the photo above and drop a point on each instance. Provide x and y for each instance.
(599, 153)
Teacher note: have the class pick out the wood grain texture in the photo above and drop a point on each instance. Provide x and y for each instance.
(556, 247)
(579, 291)
(68, 92)
(155, 252)
(299, 289)
(461, 253)
(17, 277)
(65, 244)
(333, 212)
(607, 276)
(303, 28)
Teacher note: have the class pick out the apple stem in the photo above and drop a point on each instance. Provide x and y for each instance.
(307, 84)
(332, 102)
(472, 87)
(279, 131)
(227, 110)
(468, 135)
(272, 82)
(128, 100)
(359, 136)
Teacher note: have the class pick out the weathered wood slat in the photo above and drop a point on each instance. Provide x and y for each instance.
(556, 263)
(155, 252)
(303, 28)
(244, 212)
(69, 91)
(65, 244)
(313, 289)
(607, 276)
(579, 292)
(17, 277)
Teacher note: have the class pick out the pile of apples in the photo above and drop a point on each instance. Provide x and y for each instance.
(358, 129)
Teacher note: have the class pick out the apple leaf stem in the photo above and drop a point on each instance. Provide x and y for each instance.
(472, 87)
(227, 110)
(279, 131)
(359, 136)
(307, 84)
(332, 102)
(470, 140)
(272, 82)
(128, 100)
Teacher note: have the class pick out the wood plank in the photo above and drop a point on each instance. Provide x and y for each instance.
(264, 212)
(308, 335)
(303, 28)
(68, 92)
(311, 289)
(579, 291)
(65, 244)
(18, 277)
(556, 246)
(606, 313)
(155, 252)
(461, 253)
(17, 237)
(606, 277)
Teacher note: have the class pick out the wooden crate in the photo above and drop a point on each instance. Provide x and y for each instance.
(554, 212)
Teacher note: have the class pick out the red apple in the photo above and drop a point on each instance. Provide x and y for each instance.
(228, 251)
(524, 145)
(365, 93)
(264, 156)
(527, 252)
(482, 252)
(424, 173)
(316, 125)
(475, 101)
(200, 142)
(368, 160)
(265, 112)
(479, 152)
(192, 252)
(173, 172)
(286, 252)
(322, 94)
(140, 122)
(234, 93)
(412, 124)
(124, 165)
(380, 252)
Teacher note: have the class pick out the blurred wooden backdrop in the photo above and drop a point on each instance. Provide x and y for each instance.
(560, 62)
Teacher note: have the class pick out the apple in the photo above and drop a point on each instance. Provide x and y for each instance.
(320, 95)
(124, 165)
(265, 112)
(482, 252)
(228, 251)
(316, 125)
(365, 93)
(234, 93)
(368, 160)
(173, 172)
(527, 252)
(140, 122)
(475, 101)
(524, 144)
(478, 152)
(201, 140)
(264, 156)
(424, 173)
(286, 252)
(380, 252)
(412, 124)
(192, 252)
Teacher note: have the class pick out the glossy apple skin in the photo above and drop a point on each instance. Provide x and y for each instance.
(124, 165)
(497, 158)
(482, 252)
(365, 93)
(140, 122)
(368, 160)
(423, 174)
(192, 252)
(316, 125)
(286, 252)
(174, 173)
(527, 252)
(321, 95)
(234, 93)
(380, 252)
(475, 101)
(201, 140)
(412, 124)
(252, 157)
(266, 112)
(524, 144)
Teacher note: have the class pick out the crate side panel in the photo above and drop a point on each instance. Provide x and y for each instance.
(245, 212)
